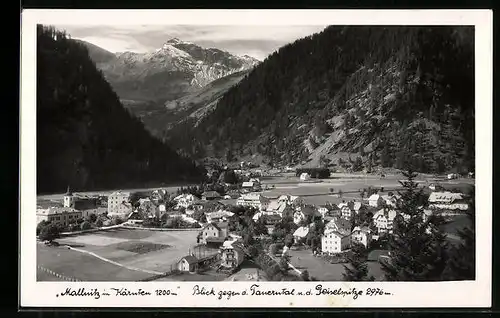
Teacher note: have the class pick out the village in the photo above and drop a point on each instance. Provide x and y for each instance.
(219, 222)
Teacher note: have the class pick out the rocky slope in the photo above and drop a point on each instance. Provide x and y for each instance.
(392, 96)
(188, 110)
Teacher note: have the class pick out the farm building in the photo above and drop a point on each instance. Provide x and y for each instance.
(188, 263)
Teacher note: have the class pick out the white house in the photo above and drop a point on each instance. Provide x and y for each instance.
(323, 210)
(305, 176)
(375, 200)
(184, 200)
(248, 185)
(335, 241)
(391, 200)
(361, 235)
(188, 263)
(58, 215)
(357, 206)
(346, 209)
(118, 203)
(213, 230)
(253, 200)
(282, 208)
(384, 220)
(290, 199)
(300, 233)
(231, 255)
(218, 216)
(447, 201)
(302, 212)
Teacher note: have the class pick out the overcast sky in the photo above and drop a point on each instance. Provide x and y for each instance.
(257, 41)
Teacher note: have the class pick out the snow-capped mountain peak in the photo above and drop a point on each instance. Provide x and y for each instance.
(177, 68)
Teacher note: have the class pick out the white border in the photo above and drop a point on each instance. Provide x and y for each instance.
(439, 294)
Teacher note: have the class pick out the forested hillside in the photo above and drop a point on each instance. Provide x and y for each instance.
(385, 95)
(85, 138)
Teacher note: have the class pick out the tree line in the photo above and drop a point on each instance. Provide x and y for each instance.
(85, 137)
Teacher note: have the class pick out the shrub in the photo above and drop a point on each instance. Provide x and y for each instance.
(85, 226)
(49, 232)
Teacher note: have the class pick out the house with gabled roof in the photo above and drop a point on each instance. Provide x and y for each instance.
(339, 224)
(255, 200)
(362, 235)
(188, 263)
(211, 195)
(346, 209)
(375, 200)
(301, 233)
(447, 201)
(335, 239)
(302, 212)
(214, 230)
(384, 220)
(185, 200)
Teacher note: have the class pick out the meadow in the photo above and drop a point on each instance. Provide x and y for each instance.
(117, 255)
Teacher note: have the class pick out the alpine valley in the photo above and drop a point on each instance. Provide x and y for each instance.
(377, 96)
(151, 85)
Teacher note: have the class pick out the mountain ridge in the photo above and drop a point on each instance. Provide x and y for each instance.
(170, 72)
(392, 96)
(85, 138)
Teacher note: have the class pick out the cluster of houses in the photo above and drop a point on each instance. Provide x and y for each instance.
(337, 237)
(73, 208)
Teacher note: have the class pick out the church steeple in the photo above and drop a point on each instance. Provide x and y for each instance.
(68, 192)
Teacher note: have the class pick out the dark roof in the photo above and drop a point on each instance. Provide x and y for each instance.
(310, 210)
(211, 194)
(272, 217)
(215, 239)
(213, 224)
(190, 259)
(222, 225)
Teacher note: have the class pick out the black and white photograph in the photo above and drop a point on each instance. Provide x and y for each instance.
(280, 153)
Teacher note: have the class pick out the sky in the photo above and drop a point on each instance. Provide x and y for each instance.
(256, 41)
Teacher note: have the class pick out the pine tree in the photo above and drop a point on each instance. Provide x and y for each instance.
(462, 263)
(357, 270)
(418, 248)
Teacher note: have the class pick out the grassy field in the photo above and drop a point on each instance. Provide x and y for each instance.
(141, 249)
(318, 192)
(80, 266)
(324, 271)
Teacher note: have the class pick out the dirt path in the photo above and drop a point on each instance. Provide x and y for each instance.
(115, 263)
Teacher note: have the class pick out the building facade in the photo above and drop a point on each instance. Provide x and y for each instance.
(361, 235)
(334, 241)
(118, 203)
(58, 215)
(253, 200)
(384, 220)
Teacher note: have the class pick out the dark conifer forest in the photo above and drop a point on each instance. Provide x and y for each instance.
(390, 95)
(85, 138)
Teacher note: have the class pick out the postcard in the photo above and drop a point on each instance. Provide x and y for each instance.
(256, 158)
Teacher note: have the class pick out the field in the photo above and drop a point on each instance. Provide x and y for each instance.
(318, 192)
(324, 271)
(118, 254)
